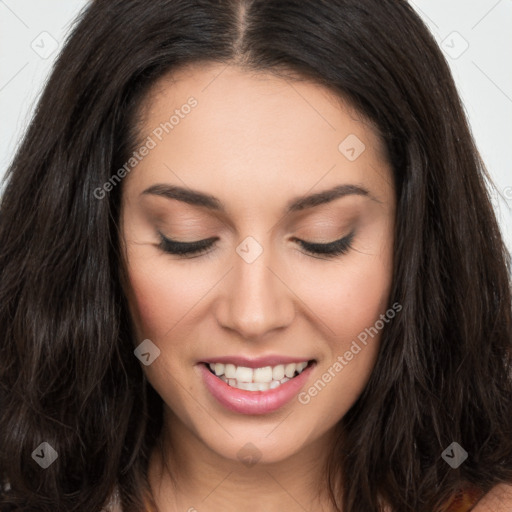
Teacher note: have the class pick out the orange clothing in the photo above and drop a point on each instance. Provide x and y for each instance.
(464, 501)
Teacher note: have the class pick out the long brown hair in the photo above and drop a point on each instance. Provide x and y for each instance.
(67, 371)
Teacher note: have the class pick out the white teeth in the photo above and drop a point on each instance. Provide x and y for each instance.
(230, 371)
(249, 386)
(257, 379)
(301, 366)
(289, 370)
(253, 386)
(263, 374)
(278, 372)
(244, 374)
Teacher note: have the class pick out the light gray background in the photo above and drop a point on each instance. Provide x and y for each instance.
(476, 37)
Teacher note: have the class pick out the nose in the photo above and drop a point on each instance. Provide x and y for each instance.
(256, 300)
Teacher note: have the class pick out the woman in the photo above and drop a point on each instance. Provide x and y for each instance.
(249, 262)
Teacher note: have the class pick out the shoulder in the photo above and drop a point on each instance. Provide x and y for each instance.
(498, 499)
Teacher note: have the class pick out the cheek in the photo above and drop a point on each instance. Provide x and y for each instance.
(350, 304)
(354, 301)
(352, 295)
(148, 303)
(161, 305)
(159, 298)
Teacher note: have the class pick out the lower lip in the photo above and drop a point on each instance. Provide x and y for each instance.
(253, 402)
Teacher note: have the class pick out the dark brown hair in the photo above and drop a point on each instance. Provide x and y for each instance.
(68, 375)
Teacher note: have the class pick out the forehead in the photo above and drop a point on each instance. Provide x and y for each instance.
(253, 132)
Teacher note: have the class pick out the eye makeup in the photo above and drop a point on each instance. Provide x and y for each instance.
(194, 249)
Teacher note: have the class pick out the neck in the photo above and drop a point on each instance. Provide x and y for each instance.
(186, 475)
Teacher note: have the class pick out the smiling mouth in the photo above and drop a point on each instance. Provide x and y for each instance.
(257, 379)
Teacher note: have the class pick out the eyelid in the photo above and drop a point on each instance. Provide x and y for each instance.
(195, 249)
(185, 248)
(330, 249)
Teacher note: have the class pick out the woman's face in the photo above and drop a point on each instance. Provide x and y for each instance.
(247, 161)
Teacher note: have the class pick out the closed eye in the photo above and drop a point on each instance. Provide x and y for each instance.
(330, 250)
(194, 249)
(186, 249)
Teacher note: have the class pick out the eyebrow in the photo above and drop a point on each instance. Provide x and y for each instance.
(197, 198)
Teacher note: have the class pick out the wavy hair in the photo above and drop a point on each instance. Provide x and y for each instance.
(67, 371)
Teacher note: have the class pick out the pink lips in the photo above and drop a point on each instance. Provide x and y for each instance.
(253, 402)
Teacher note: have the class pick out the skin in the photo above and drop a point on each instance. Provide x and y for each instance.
(255, 142)
(498, 500)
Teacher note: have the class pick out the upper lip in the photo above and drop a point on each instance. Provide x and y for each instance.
(256, 362)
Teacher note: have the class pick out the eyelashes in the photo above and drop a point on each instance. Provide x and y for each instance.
(195, 249)
(185, 248)
(330, 250)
